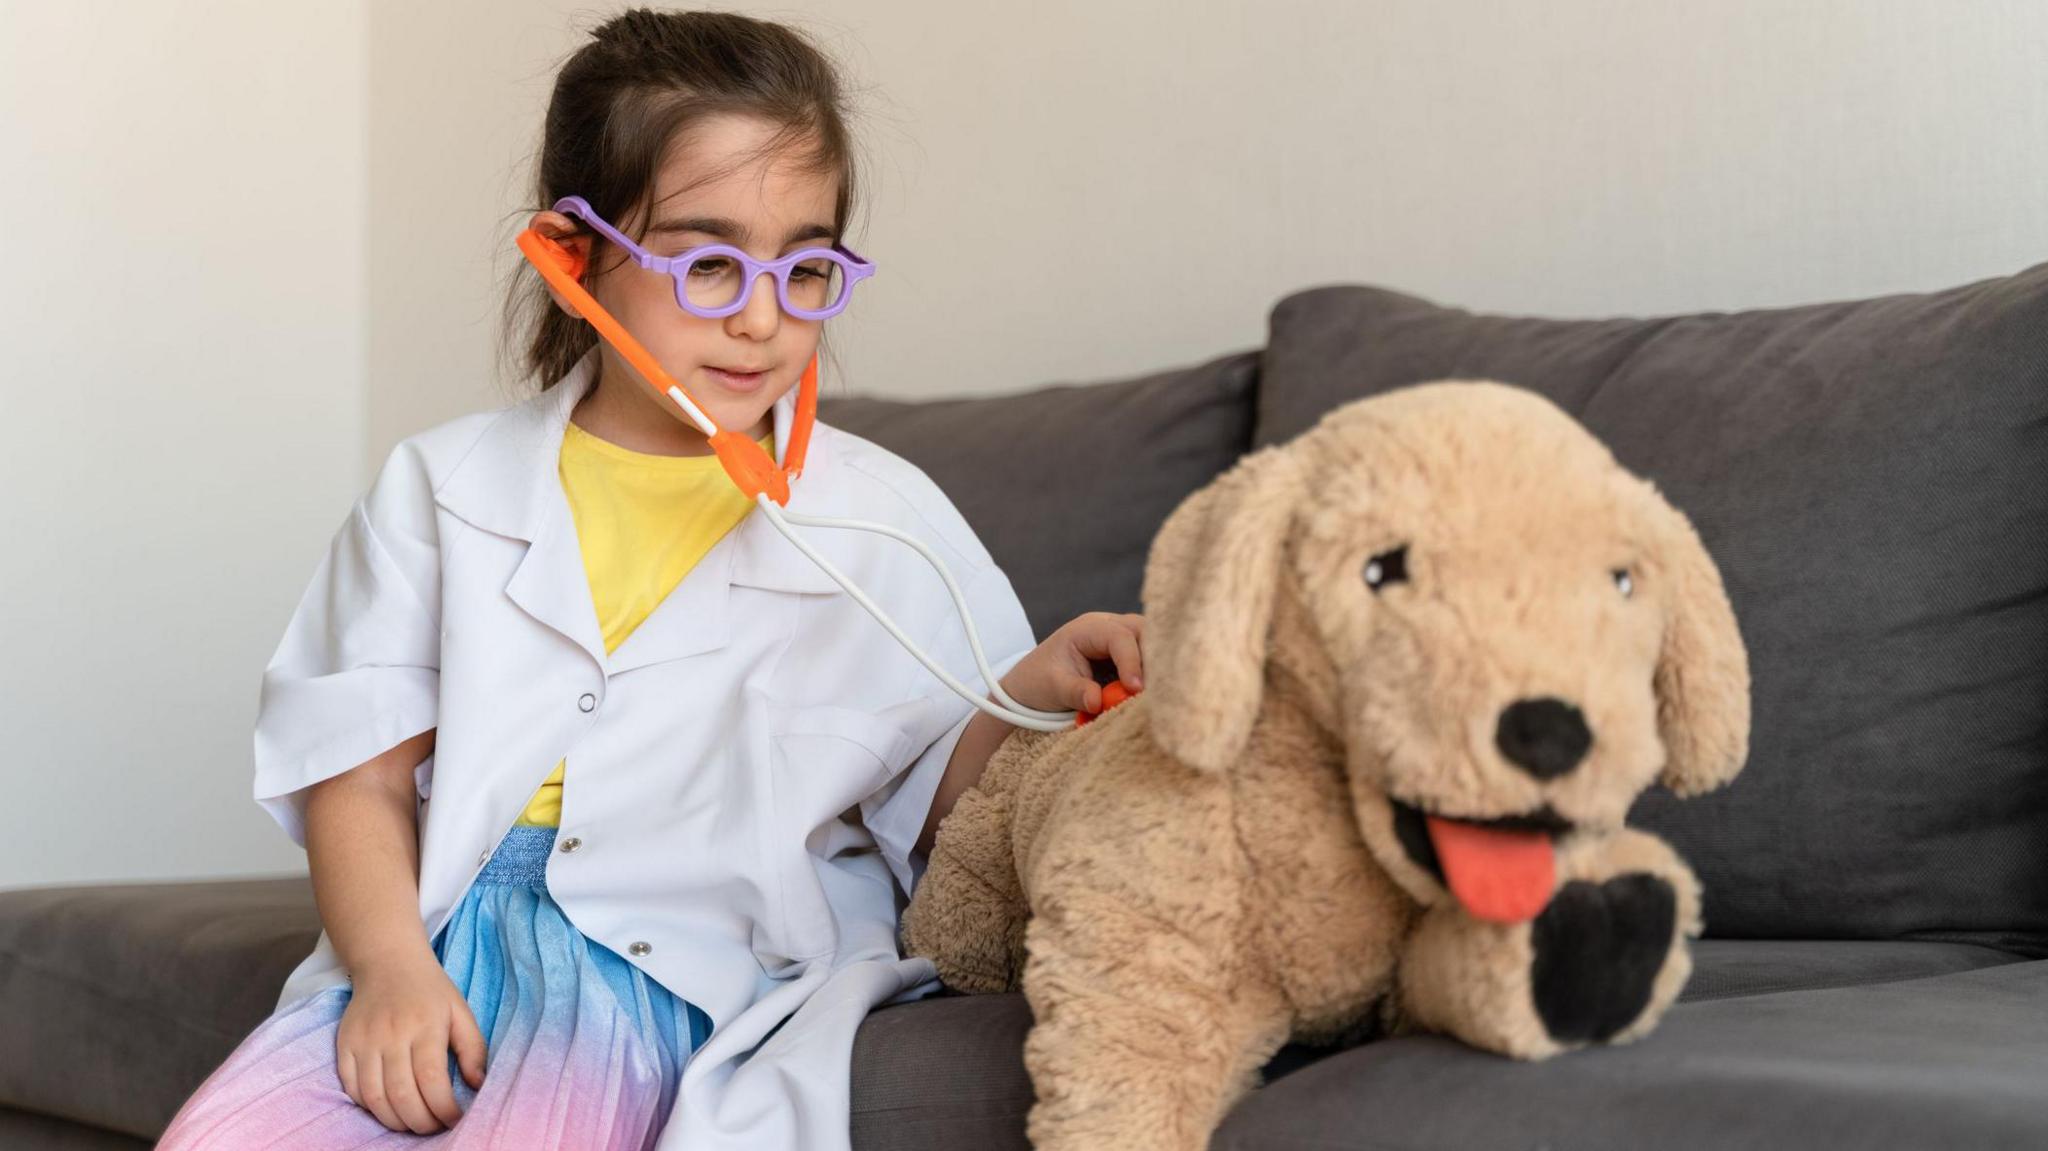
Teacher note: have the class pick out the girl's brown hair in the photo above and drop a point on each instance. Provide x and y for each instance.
(621, 102)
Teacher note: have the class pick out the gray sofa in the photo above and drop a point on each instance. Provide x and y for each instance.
(1873, 480)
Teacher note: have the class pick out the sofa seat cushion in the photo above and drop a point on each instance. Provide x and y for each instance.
(948, 1071)
(1731, 968)
(1956, 1060)
(120, 1000)
(24, 1131)
(1872, 478)
(1067, 485)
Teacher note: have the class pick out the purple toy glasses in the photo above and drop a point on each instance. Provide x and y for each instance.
(715, 280)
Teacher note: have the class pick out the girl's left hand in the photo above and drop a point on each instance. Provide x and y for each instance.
(1056, 674)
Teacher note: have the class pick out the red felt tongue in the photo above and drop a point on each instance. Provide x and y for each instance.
(1503, 876)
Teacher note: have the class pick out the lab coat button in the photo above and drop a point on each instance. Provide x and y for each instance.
(587, 702)
(639, 947)
(571, 843)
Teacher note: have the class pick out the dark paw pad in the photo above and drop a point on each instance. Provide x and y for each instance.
(1598, 948)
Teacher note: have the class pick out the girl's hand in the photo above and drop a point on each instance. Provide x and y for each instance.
(1057, 675)
(392, 1045)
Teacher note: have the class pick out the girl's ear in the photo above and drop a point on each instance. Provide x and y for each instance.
(1210, 582)
(575, 243)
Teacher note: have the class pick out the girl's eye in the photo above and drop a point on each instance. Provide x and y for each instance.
(1386, 568)
(815, 270)
(711, 266)
(1624, 583)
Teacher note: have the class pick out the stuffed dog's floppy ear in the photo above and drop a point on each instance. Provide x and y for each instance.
(1702, 676)
(1210, 581)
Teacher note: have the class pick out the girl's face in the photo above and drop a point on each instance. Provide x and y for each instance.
(738, 366)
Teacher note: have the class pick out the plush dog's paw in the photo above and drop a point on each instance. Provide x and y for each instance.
(1599, 964)
(1598, 948)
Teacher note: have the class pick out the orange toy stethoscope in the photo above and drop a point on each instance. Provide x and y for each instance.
(757, 474)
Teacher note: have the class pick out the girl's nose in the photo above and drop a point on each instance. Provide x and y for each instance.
(762, 316)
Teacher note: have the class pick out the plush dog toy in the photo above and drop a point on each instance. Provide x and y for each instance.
(1404, 676)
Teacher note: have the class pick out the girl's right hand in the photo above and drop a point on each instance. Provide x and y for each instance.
(392, 1046)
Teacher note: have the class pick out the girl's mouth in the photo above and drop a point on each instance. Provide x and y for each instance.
(737, 381)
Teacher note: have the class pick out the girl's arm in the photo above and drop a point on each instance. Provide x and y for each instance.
(1056, 674)
(362, 844)
(391, 1049)
(984, 734)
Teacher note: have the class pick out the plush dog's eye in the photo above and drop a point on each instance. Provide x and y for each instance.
(1387, 568)
(1624, 583)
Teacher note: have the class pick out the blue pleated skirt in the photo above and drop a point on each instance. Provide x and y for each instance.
(583, 1050)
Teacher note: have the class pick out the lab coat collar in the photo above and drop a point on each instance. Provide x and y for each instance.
(510, 484)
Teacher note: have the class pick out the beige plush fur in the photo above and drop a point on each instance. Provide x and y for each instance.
(1213, 867)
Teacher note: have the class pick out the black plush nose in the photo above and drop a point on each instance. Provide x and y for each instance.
(1544, 737)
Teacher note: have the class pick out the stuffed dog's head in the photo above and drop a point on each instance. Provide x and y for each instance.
(1510, 635)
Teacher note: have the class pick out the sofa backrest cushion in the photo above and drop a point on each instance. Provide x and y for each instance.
(1067, 485)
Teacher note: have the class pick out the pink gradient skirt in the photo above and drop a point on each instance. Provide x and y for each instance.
(583, 1051)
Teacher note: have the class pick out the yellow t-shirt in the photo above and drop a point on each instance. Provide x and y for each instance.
(643, 521)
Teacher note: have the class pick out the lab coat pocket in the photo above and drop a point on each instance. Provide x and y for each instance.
(826, 759)
(831, 750)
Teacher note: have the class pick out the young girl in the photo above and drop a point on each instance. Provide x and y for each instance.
(611, 797)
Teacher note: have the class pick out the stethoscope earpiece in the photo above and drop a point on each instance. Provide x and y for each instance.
(547, 253)
(566, 258)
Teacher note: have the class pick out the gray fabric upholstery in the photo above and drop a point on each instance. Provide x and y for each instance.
(1955, 1060)
(948, 1072)
(1728, 968)
(1067, 485)
(1872, 478)
(23, 1131)
(942, 1073)
(120, 1000)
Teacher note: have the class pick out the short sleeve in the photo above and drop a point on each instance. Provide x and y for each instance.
(895, 814)
(358, 669)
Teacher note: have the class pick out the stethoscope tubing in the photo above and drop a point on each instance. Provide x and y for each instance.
(1008, 710)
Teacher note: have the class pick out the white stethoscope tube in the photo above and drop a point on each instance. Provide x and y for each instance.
(1009, 710)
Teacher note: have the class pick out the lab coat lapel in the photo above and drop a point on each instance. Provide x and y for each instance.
(510, 484)
(550, 583)
(690, 620)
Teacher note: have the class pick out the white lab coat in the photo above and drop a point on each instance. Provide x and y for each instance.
(748, 772)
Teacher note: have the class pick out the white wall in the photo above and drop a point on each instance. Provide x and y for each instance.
(1058, 191)
(1072, 189)
(182, 314)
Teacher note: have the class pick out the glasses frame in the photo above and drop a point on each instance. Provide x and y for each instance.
(677, 267)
